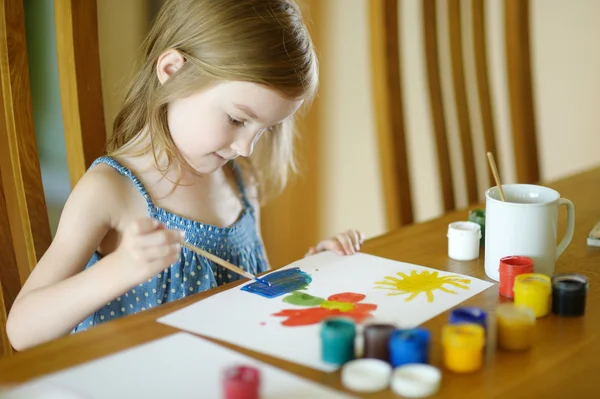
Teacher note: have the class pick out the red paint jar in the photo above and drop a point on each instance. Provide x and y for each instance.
(241, 382)
(510, 267)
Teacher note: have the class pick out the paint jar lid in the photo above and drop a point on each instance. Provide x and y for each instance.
(532, 282)
(464, 229)
(366, 375)
(40, 391)
(416, 380)
(464, 335)
(516, 265)
(468, 315)
(241, 382)
(509, 313)
(570, 284)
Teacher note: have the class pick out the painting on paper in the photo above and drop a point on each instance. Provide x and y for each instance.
(361, 287)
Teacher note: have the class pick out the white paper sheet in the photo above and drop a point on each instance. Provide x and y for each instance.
(245, 319)
(179, 366)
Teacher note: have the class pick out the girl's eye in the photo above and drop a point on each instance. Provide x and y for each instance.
(235, 122)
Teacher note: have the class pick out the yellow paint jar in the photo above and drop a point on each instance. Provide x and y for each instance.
(515, 325)
(534, 290)
(463, 347)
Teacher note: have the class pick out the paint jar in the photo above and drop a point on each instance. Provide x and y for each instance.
(409, 346)
(468, 315)
(337, 340)
(463, 347)
(478, 216)
(533, 290)
(241, 382)
(515, 324)
(375, 341)
(569, 291)
(510, 267)
(463, 240)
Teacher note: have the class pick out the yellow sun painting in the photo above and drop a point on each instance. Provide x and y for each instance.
(424, 282)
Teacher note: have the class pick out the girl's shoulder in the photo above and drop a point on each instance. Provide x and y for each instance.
(104, 189)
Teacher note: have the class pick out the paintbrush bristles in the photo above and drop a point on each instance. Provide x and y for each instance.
(492, 163)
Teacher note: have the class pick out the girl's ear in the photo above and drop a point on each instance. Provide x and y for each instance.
(168, 63)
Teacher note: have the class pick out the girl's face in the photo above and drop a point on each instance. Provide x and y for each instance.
(225, 121)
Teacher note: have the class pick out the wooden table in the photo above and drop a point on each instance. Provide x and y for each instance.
(565, 359)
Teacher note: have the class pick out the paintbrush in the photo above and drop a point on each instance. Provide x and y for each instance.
(494, 169)
(224, 263)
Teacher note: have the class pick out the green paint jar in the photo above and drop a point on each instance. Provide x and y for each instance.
(478, 216)
(337, 340)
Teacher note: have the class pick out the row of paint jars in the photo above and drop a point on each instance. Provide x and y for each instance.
(564, 293)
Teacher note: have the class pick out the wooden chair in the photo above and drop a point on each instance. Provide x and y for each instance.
(389, 107)
(24, 226)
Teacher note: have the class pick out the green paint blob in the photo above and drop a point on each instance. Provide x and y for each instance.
(302, 299)
(341, 306)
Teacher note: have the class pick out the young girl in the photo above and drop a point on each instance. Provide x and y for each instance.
(219, 78)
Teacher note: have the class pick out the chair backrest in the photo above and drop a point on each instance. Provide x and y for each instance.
(24, 226)
(80, 83)
(390, 111)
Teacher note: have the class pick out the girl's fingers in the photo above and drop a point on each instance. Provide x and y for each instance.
(330, 245)
(159, 238)
(165, 254)
(355, 239)
(311, 251)
(346, 243)
(144, 226)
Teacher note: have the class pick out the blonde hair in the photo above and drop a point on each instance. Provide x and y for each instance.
(258, 41)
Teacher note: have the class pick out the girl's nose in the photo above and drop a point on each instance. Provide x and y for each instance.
(244, 146)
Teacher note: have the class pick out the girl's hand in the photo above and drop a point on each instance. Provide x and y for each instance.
(148, 247)
(345, 243)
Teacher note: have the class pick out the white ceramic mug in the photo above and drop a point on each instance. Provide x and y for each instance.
(525, 225)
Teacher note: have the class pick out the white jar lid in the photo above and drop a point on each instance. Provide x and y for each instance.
(366, 375)
(463, 228)
(416, 380)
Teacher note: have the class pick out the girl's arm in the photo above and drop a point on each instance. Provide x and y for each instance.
(58, 295)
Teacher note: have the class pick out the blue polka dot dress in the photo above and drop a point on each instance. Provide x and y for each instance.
(238, 244)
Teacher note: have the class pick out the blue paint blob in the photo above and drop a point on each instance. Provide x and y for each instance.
(281, 282)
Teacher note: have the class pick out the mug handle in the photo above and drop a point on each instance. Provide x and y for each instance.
(564, 243)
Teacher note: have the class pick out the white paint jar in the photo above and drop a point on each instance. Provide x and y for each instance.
(463, 240)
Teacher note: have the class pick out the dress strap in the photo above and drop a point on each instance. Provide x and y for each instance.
(129, 174)
(239, 178)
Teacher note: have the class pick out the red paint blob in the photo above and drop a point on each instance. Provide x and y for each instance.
(314, 315)
(349, 297)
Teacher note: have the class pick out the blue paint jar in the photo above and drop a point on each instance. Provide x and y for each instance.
(337, 340)
(409, 346)
(468, 315)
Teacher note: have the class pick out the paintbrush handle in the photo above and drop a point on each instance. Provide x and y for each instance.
(219, 261)
(494, 169)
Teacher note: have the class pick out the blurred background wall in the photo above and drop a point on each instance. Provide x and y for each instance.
(347, 188)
